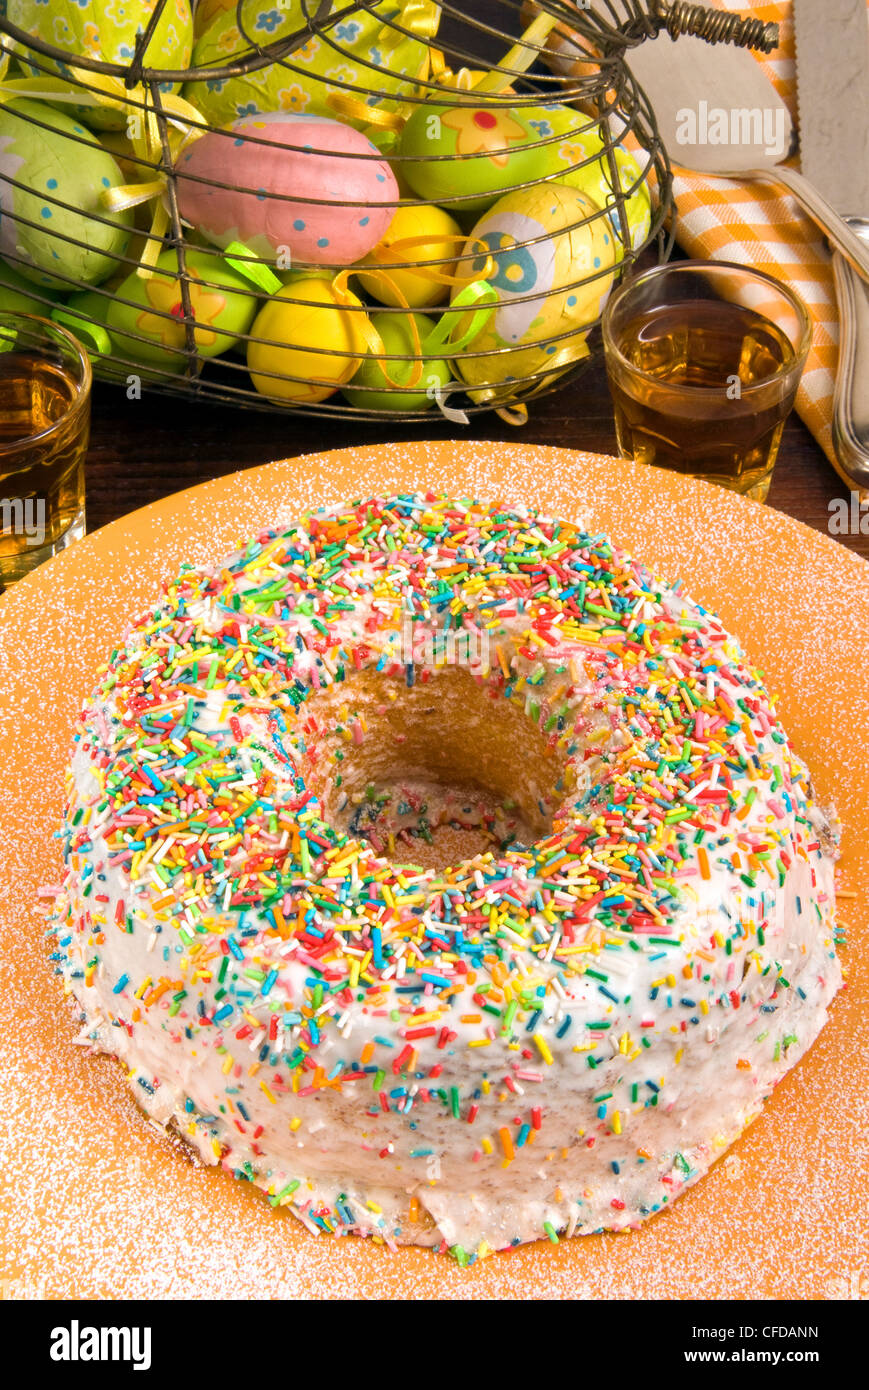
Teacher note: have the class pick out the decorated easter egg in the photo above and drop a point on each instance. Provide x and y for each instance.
(150, 327)
(106, 30)
(269, 209)
(583, 139)
(553, 278)
(51, 244)
(364, 61)
(378, 383)
(323, 335)
(470, 153)
(417, 233)
(19, 296)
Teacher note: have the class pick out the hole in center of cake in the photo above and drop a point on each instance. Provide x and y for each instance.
(433, 774)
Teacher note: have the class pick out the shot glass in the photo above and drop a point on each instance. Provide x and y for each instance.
(704, 359)
(45, 388)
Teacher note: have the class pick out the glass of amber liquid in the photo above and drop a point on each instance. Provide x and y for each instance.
(45, 387)
(704, 359)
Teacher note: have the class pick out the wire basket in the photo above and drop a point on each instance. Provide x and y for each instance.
(169, 293)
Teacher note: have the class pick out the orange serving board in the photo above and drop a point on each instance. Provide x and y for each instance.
(96, 1203)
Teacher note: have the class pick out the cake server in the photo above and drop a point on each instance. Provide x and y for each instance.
(693, 76)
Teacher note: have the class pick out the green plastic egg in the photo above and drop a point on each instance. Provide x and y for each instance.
(62, 164)
(448, 152)
(106, 30)
(379, 393)
(583, 140)
(223, 301)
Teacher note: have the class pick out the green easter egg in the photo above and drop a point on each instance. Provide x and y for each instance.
(17, 295)
(106, 30)
(62, 164)
(151, 327)
(582, 140)
(447, 152)
(378, 392)
(366, 52)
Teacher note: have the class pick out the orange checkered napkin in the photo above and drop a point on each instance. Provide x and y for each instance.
(760, 224)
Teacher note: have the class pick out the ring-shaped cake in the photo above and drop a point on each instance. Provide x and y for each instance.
(436, 868)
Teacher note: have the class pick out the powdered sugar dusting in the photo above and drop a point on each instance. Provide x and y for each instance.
(95, 1202)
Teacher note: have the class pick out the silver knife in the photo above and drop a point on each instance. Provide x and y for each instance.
(832, 48)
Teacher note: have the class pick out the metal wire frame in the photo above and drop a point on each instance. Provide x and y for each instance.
(611, 92)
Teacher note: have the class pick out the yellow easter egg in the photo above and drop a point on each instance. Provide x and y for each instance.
(422, 233)
(316, 340)
(105, 30)
(553, 272)
(366, 59)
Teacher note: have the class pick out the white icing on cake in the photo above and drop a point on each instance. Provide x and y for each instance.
(554, 1036)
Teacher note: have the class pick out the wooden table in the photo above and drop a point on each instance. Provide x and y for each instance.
(142, 450)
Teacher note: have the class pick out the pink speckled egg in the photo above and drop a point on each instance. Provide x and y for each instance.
(268, 206)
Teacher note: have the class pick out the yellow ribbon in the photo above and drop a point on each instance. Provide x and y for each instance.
(420, 17)
(496, 80)
(355, 109)
(373, 340)
(394, 255)
(478, 297)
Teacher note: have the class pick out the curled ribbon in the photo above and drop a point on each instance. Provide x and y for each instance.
(86, 327)
(496, 80)
(570, 352)
(418, 20)
(462, 81)
(479, 297)
(355, 109)
(393, 255)
(476, 300)
(242, 259)
(373, 340)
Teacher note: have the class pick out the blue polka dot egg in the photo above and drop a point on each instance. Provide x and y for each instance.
(54, 227)
(553, 254)
(296, 190)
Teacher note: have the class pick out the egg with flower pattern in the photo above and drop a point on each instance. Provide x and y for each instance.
(146, 319)
(465, 156)
(106, 30)
(367, 58)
